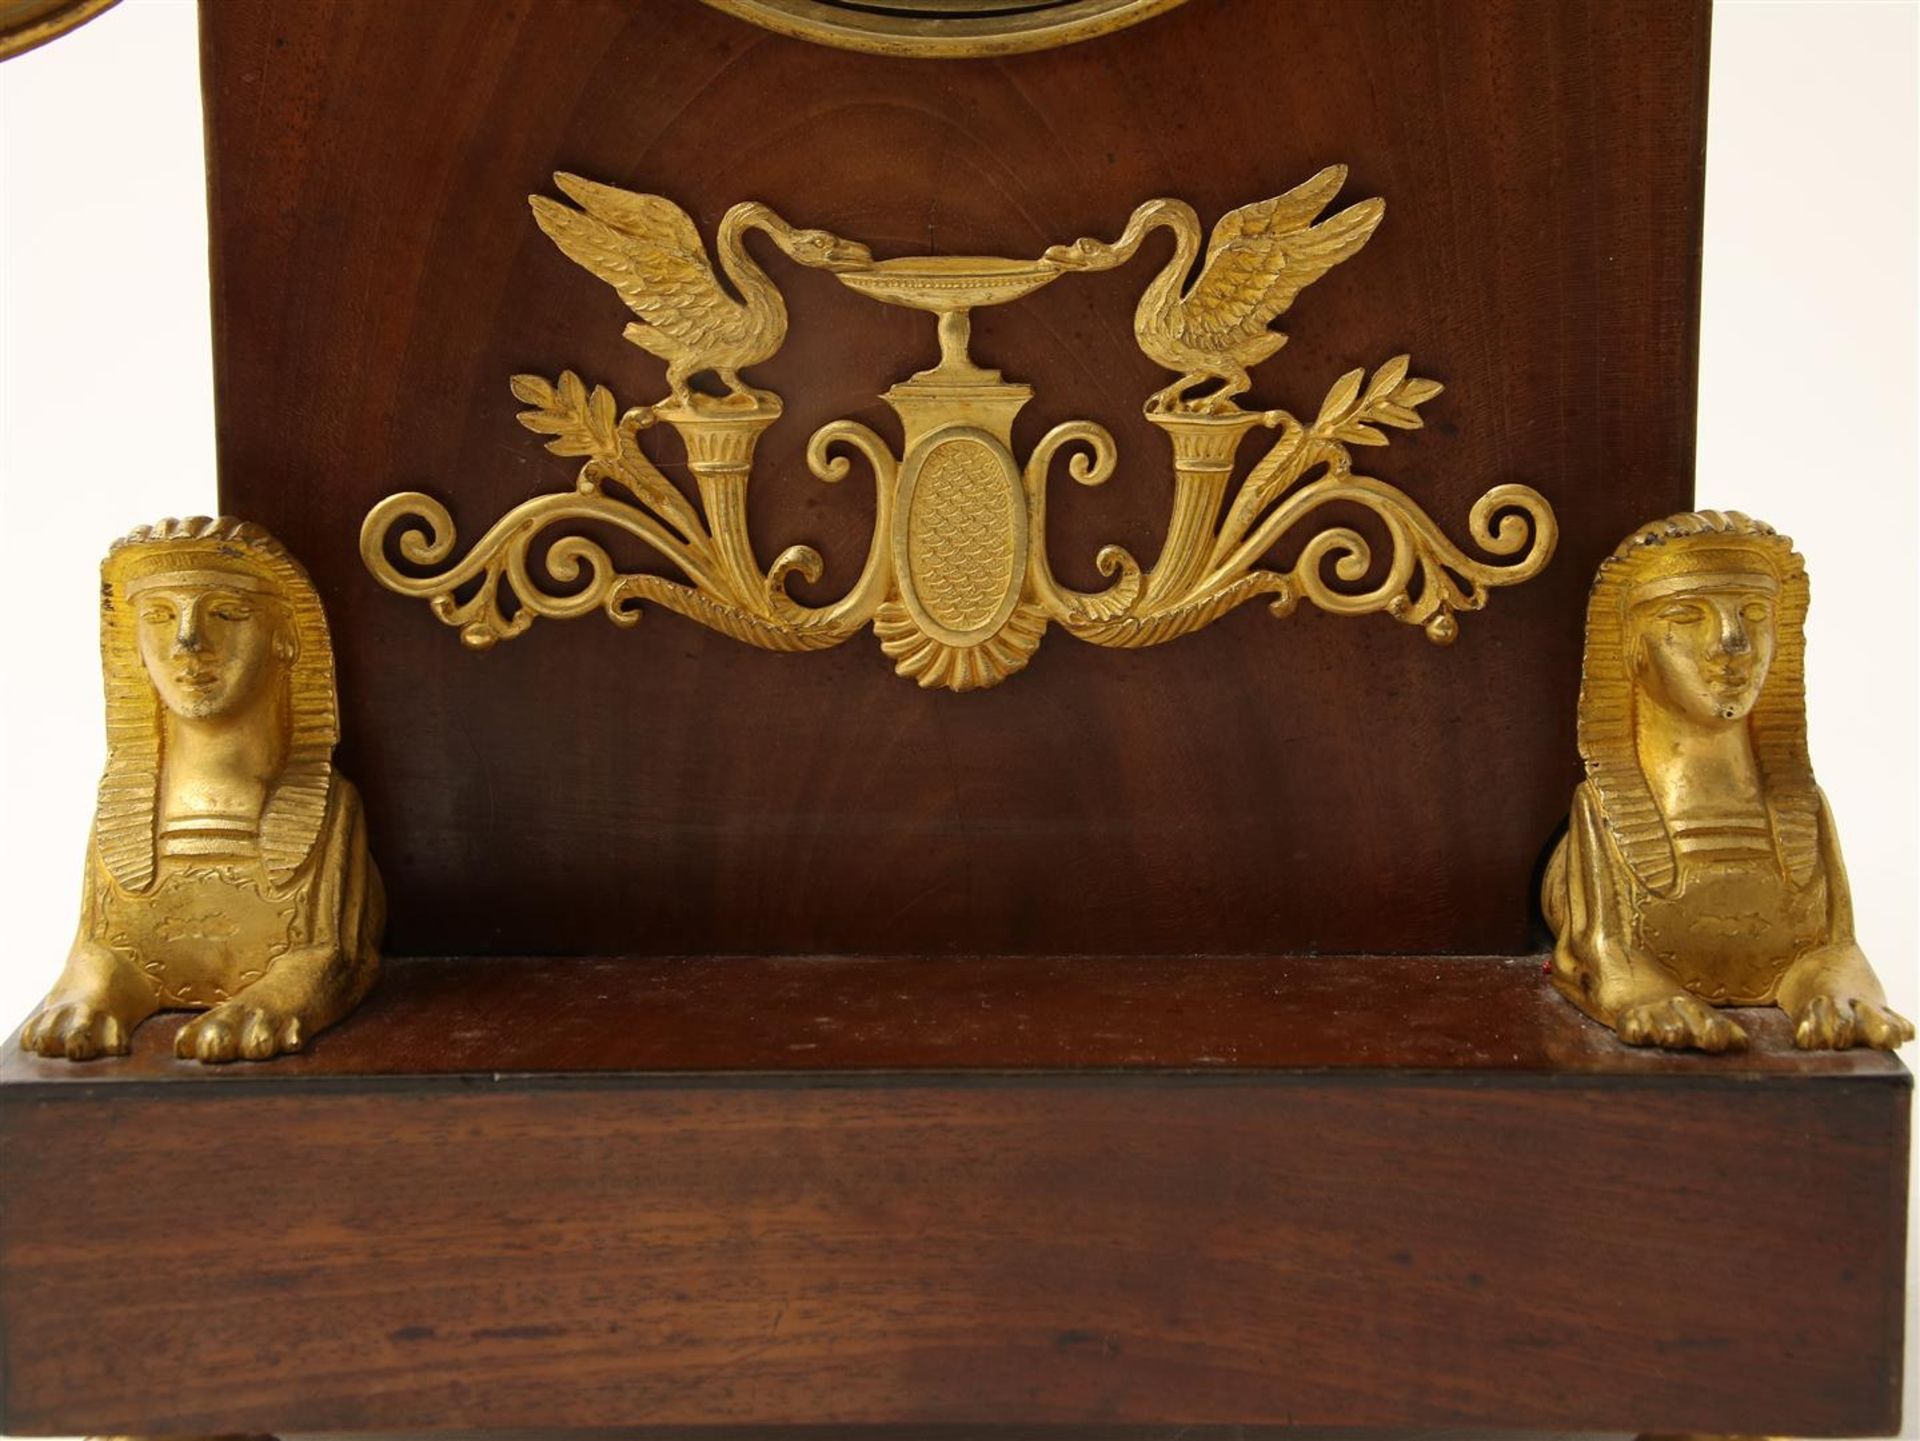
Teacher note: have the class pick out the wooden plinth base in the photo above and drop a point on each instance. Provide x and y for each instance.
(975, 1197)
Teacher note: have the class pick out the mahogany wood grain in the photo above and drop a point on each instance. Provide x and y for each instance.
(797, 1016)
(1260, 788)
(1685, 1249)
(994, 1433)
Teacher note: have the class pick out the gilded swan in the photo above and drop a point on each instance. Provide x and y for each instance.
(647, 248)
(1260, 257)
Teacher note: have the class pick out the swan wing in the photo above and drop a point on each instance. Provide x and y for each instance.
(1280, 213)
(648, 250)
(1263, 255)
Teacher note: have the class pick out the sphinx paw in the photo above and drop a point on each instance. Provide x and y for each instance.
(1834, 1023)
(238, 1030)
(1678, 1022)
(78, 1029)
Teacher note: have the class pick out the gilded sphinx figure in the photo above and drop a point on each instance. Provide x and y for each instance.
(1700, 868)
(228, 869)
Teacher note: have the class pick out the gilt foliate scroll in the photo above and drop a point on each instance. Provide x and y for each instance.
(957, 583)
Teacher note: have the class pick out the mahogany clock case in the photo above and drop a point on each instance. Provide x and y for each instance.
(1261, 787)
(1155, 1041)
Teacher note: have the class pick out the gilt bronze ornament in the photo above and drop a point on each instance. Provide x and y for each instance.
(26, 24)
(1700, 868)
(957, 583)
(944, 29)
(228, 869)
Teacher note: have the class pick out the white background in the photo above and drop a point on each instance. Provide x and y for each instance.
(106, 406)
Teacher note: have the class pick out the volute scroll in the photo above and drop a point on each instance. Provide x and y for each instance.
(957, 583)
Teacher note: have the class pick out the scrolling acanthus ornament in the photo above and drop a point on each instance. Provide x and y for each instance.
(956, 583)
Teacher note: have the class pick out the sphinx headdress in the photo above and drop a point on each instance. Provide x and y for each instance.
(1697, 542)
(297, 805)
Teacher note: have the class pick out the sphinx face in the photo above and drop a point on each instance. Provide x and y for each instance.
(210, 651)
(1703, 647)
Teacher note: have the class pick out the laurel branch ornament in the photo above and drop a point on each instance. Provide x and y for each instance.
(956, 583)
